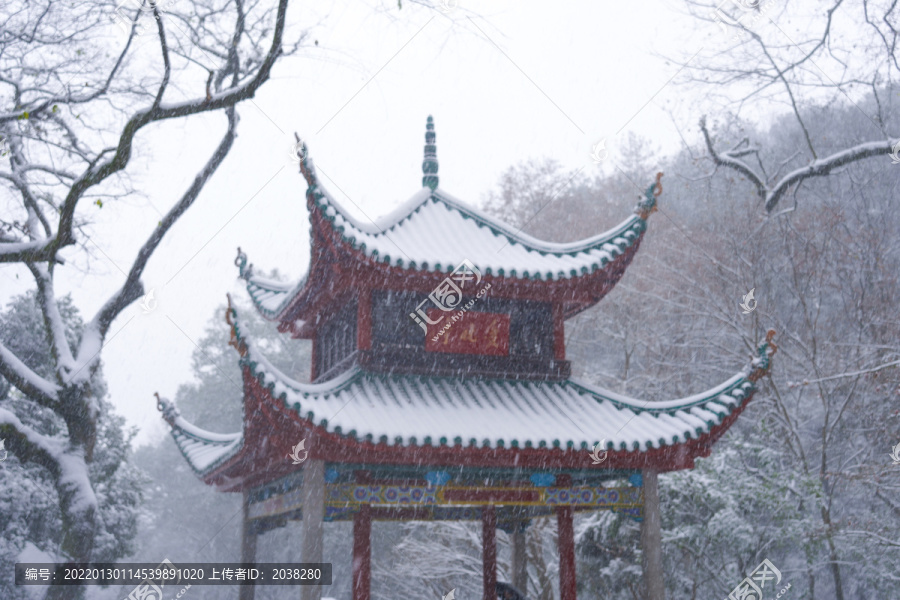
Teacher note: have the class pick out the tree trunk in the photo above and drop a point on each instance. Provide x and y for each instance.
(78, 506)
(833, 557)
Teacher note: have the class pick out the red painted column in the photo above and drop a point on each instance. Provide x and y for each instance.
(489, 551)
(362, 553)
(566, 552)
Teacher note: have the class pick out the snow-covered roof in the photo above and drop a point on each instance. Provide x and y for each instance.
(204, 450)
(434, 232)
(410, 410)
(415, 410)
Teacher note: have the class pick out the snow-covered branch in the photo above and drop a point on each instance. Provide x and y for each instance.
(852, 374)
(871, 534)
(826, 165)
(728, 159)
(56, 330)
(99, 170)
(771, 194)
(67, 465)
(25, 380)
(132, 288)
(39, 107)
(28, 445)
(158, 112)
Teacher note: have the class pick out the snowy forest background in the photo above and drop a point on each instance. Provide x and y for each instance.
(803, 478)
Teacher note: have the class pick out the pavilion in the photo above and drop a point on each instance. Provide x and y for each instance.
(440, 388)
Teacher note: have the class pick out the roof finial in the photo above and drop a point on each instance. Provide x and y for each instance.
(300, 153)
(168, 409)
(430, 164)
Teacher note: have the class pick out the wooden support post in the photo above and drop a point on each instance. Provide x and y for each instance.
(248, 547)
(651, 538)
(313, 515)
(519, 557)
(489, 551)
(362, 553)
(566, 542)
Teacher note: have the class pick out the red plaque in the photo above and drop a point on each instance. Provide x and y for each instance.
(470, 333)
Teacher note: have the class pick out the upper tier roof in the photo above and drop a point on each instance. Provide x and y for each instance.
(433, 232)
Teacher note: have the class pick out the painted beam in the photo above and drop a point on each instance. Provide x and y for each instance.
(342, 500)
(341, 494)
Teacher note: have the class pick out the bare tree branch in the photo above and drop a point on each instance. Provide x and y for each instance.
(818, 168)
(99, 171)
(132, 289)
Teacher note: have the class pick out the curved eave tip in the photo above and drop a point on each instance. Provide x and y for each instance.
(167, 408)
(647, 205)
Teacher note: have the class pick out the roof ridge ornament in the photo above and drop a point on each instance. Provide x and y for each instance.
(235, 341)
(167, 408)
(430, 162)
(245, 270)
(301, 153)
(763, 361)
(647, 205)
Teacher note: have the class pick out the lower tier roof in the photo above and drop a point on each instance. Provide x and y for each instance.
(391, 411)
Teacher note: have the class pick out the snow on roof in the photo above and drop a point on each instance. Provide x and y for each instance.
(202, 449)
(434, 232)
(413, 410)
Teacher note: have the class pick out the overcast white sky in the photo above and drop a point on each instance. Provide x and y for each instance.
(516, 80)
